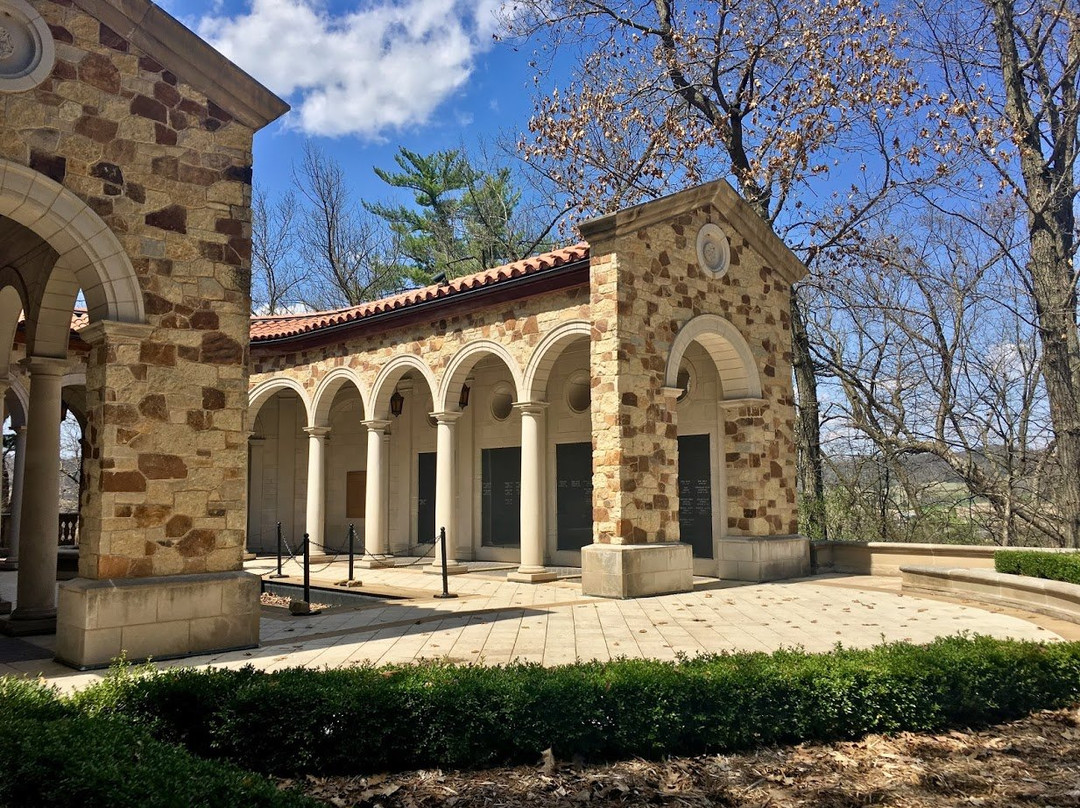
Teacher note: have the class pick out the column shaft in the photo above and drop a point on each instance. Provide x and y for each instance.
(315, 521)
(18, 475)
(533, 509)
(376, 498)
(36, 600)
(446, 491)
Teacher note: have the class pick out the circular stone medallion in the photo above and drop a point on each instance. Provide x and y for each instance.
(27, 52)
(713, 250)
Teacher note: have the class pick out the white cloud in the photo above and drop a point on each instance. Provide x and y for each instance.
(366, 72)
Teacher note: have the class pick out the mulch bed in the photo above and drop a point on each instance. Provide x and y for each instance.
(1031, 762)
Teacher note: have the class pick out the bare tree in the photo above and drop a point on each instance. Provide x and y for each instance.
(936, 353)
(771, 93)
(275, 275)
(348, 256)
(1010, 72)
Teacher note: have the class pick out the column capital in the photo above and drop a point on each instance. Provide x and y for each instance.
(448, 417)
(317, 431)
(376, 424)
(45, 366)
(530, 407)
(115, 330)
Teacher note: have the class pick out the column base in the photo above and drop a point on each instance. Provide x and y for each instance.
(763, 558)
(13, 626)
(453, 568)
(636, 570)
(531, 575)
(374, 563)
(160, 617)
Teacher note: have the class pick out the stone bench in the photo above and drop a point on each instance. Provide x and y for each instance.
(1052, 598)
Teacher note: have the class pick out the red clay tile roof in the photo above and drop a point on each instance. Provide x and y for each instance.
(290, 325)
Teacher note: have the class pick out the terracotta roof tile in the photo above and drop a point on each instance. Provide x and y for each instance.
(289, 325)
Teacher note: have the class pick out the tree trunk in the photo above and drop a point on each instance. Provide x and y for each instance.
(1050, 196)
(808, 428)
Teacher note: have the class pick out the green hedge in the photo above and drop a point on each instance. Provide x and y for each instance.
(375, 719)
(54, 756)
(1054, 566)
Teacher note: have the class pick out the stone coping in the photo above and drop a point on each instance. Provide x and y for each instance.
(886, 557)
(1053, 598)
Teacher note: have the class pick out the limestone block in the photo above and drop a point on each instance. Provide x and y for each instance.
(636, 570)
(159, 617)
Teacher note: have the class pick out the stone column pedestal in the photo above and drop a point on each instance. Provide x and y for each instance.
(161, 616)
(636, 570)
(763, 558)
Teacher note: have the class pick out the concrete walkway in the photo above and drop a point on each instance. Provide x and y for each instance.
(493, 621)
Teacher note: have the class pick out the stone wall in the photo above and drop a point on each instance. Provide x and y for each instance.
(646, 285)
(169, 172)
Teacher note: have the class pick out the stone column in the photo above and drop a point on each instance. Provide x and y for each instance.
(376, 503)
(35, 606)
(18, 473)
(533, 523)
(446, 484)
(315, 522)
(256, 542)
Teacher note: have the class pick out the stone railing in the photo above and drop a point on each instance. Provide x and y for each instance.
(1053, 598)
(69, 530)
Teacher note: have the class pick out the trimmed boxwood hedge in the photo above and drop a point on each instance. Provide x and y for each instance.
(368, 719)
(55, 756)
(1053, 566)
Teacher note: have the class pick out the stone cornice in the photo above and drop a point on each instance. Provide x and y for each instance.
(168, 41)
(718, 194)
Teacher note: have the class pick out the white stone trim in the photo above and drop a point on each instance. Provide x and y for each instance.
(463, 362)
(86, 245)
(547, 353)
(729, 351)
(390, 375)
(20, 17)
(263, 391)
(329, 387)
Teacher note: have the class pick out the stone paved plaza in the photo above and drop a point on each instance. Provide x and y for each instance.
(494, 621)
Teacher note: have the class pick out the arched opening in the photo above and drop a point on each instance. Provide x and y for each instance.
(710, 364)
(277, 465)
(341, 410)
(559, 374)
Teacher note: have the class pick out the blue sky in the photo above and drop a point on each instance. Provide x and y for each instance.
(366, 77)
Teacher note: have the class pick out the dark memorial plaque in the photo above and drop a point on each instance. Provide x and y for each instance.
(695, 494)
(500, 497)
(425, 503)
(573, 500)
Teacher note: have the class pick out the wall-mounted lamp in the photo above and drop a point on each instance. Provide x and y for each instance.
(463, 399)
(397, 402)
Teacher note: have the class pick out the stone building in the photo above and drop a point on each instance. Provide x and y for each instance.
(125, 171)
(623, 405)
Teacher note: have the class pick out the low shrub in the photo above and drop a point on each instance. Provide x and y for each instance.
(56, 757)
(366, 719)
(1053, 566)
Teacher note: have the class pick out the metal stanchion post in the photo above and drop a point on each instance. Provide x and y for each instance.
(352, 539)
(307, 569)
(279, 573)
(445, 582)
